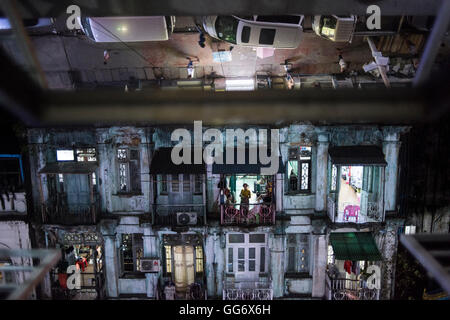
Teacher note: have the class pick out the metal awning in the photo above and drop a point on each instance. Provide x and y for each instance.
(354, 246)
(162, 164)
(357, 155)
(70, 167)
(246, 168)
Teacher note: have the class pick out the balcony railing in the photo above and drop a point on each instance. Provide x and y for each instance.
(179, 215)
(82, 214)
(13, 202)
(347, 289)
(252, 214)
(368, 212)
(247, 290)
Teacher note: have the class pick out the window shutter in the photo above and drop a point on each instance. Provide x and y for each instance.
(135, 176)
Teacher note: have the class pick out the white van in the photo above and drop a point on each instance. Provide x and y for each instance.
(128, 29)
(281, 32)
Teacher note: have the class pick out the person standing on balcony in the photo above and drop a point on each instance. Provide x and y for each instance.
(245, 197)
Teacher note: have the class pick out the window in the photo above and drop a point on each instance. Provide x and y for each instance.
(175, 183)
(171, 258)
(82, 155)
(186, 183)
(163, 183)
(86, 155)
(132, 252)
(410, 229)
(267, 36)
(168, 253)
(299, 170)
(198, 187)
(246, 253)
(245, 36)
(328, 26)
(334, 171)
(298, 253)
(330, 259)
(226, 28)
(129, 170)
(280, 19)
(64, 155)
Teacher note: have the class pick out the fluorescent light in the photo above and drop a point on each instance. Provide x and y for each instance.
(239, 84)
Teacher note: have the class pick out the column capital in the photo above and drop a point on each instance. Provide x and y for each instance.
(323, 138)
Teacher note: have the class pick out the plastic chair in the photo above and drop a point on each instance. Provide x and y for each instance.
(351, 211)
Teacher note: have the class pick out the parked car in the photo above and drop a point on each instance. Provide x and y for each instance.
(335, 28)
(282, 32)
(32, 25)
(127, 29)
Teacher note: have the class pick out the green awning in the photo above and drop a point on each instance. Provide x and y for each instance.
(355, 246)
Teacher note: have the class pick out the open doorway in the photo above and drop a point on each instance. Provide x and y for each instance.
(349, 198)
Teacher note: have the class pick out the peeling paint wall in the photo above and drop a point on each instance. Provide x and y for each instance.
(15, 235)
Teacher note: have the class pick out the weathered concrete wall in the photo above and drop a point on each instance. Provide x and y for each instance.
(391, 148)
(322, 174)
(319, 266)
(298, 286)
(15, 235)
(277, 254)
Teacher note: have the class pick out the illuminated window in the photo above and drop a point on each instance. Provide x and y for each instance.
(199, 259)
(86, 155)
(64, 155)
(299, 169)
(410, 229)
(132, 252)
(129, 170)
(168, 252)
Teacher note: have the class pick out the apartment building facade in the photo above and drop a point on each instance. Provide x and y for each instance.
(112, 198)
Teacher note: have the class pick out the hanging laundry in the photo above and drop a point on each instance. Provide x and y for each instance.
(62, 278)
(348, 266)
(82, 263)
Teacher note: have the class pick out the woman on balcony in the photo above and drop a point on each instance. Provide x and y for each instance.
(245, 197)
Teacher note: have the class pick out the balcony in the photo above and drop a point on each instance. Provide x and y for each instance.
(368, 211)
(253, 214)
(347, 289)
(13, 203)
(247, 290)
(81, 214)
(179, 215)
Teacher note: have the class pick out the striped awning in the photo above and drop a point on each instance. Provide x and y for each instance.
(354, 246)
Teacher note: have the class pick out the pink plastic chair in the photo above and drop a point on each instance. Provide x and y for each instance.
(351, 211)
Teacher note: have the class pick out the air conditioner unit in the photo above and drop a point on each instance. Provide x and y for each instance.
(186, 218)
(150, 265)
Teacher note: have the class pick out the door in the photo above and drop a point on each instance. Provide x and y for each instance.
(77, 192)
(184, 272)
(180, 191)
(246, 256)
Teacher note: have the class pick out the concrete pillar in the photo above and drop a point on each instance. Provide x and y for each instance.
(209, 264)
(277, 265)
(391, 148)
(279, 192)
(321, 169)
(111, 266)
(150, 251)
(319, 266)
